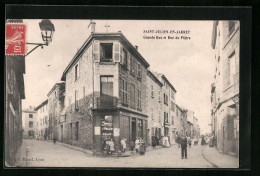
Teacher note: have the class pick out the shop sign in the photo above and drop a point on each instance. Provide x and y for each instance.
(116, 131)
(97, 130)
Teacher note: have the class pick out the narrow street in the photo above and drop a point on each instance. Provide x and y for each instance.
(47, 154)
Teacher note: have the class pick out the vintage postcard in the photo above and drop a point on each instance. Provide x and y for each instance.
(122, 93)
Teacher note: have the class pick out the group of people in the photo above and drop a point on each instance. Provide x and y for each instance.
(139, 145)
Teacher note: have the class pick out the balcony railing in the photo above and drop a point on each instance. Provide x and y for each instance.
(236, 82)
(106, 102)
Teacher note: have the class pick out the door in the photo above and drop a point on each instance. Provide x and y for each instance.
(133, 129)
(61, 128)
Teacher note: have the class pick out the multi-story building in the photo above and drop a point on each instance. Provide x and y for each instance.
(29, 122)
(105, 92)
(225, 89)
(190, 128)
(168, 97)
(154, 106)
(56, 104)
(14, 93)
(42, 123)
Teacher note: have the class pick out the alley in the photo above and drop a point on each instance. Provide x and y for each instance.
(46, 154)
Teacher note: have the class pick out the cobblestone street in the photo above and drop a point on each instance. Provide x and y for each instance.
(47, 154)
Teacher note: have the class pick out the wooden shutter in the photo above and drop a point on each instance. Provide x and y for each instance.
(116, 52)
(120, 88)
(121, 54)
(128, 93)
(96, 53)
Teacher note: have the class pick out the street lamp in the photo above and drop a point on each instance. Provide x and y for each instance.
(47, 30)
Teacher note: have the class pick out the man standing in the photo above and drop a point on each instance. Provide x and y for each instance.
(184, 147)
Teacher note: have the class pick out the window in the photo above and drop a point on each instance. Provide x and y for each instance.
(165, 99)
(133, 66)
(50, 118)
(177, 112)
(77, 131)
(30, 115)
(124, 91)
(76, 100)
(172, 120)
(31, 124)
(55, 94)
(172, 106)
(139, 72)
(231, 68)
(159, 94)
(152, 114)
(124, 58)
(139, 97)
(172, 94)
(106, 52)
(71, 130)
(76, 72)
(166, 117)
(132, 95)
(159, 116)
(152, 91)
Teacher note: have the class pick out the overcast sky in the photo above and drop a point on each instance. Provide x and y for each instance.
(188, 64)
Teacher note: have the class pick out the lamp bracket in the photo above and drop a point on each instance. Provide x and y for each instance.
(37, 45)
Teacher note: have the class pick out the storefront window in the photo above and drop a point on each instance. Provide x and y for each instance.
(140, 128)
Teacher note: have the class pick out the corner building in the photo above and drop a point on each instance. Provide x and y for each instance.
(105, 85)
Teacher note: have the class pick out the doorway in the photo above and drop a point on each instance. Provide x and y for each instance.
(133, 129)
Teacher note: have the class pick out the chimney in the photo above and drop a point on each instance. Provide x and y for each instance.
(136, 47)
(92, 25)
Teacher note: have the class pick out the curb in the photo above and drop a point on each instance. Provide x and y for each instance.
(212, 163)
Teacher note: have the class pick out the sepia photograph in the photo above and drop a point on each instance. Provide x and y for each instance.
(122, 93)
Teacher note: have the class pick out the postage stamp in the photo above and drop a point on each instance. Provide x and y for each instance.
(15, 39)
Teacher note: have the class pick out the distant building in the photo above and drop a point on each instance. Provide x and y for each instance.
(225, 89)
(56, 98)
(154, 106)
(105, 92)
(29, 123)
(190, 128)
(43, 121)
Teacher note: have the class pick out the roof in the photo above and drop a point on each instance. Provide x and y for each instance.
(29, 110)
(152, 76)
(181, 107)
(92, 36)
(41, 105)
(55, 85)
(168, 82)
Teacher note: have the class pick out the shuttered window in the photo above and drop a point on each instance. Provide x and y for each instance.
(132, 96)
(124, 91)
(76, 100)
(139, 97)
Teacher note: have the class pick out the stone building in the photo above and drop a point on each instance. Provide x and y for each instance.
(225, 89)
(56, 104)
(154, 106)
(168, 97)
(105, 92)
(14, 93)
(190, 128)
(42, 121)
(29, 122)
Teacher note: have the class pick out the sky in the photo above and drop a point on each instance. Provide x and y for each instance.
(187, 64)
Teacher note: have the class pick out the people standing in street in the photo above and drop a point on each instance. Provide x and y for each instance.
(154, 141)
(137, 144)
(132, 146)
(184, 147)
(111, 146)
(142, 147)
(123, 145)
(178, 140)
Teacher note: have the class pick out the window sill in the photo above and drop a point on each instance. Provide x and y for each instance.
(125, 104)
(107, 63)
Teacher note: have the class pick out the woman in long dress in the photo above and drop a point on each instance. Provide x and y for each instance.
(137, 144)
(123, 144)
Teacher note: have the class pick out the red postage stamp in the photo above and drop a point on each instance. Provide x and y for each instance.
(15, 43)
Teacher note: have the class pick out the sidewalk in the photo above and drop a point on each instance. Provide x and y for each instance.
(219, 160)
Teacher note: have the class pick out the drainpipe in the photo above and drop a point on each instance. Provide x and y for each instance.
(93, 98)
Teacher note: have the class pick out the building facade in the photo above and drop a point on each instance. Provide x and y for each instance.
(14, 93)
(29, 121)
(105, 93)
(190, 127)
(225, 89)
(56, 98)
(154, 107)
(42, 123)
